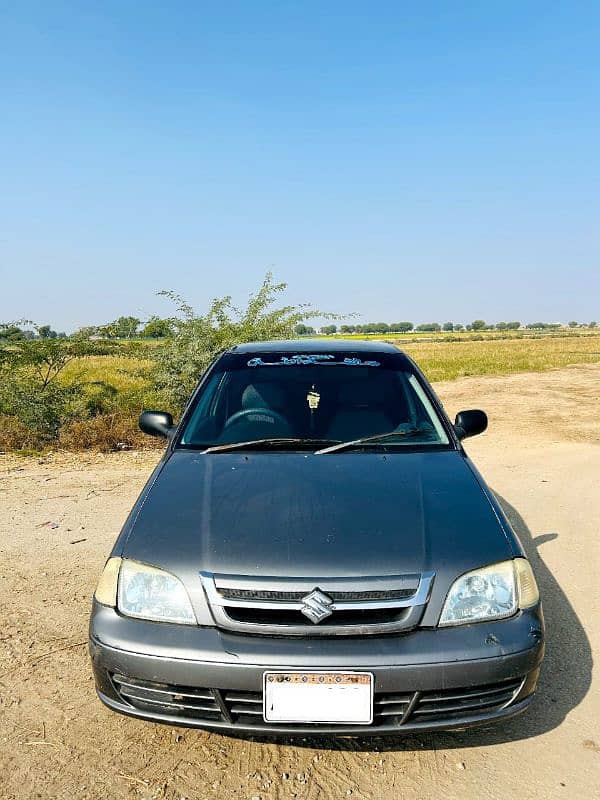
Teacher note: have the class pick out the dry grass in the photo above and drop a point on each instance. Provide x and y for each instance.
(443, 358)
(107, 432)
(454, 359)
(128, 374)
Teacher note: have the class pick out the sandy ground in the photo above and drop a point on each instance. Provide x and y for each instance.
(60, 514)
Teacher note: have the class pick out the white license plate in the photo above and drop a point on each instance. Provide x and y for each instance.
(333, 697)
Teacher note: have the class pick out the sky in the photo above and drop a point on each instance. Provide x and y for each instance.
(402, 160)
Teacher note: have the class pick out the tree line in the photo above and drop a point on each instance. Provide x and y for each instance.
(434, 327)
(129, 327)
(121, 328)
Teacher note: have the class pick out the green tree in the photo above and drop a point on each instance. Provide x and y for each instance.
(478, 325)
(46, 332)
(11, 332)
(448, 326)
(328, 330)
(85, 332)
(573, 324)
(126, 327)
(375, 327)
(429, 327)
(592, 324)
(157, 328)
(401, 327)
(304, 330)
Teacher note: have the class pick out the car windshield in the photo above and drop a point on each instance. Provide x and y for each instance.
(288, 400)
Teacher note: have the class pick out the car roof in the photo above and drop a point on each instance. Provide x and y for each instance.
(316, 346)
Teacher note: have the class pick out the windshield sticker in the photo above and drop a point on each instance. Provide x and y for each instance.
(317, 358)
(356, 362)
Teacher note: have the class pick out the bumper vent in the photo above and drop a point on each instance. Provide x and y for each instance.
(167, 699)
(245, 709)
(432, 706)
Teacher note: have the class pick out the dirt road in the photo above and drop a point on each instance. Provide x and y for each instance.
(59, 516)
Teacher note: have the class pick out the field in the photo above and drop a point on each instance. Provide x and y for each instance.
(455, 359)
(57, 742)
(441, 357)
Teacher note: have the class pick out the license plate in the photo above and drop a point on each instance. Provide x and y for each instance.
(332, 697)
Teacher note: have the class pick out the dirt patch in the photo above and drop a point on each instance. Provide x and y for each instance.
(554, 406)
(59, 516)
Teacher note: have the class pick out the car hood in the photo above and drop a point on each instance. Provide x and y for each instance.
(303, 515)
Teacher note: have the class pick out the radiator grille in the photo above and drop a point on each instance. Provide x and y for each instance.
(339, 596)
(353, 606)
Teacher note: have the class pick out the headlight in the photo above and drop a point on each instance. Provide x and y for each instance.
(106, 591)
(529, 594)
(149, 593)
(491, 592)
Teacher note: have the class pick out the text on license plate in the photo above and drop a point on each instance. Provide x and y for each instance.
(328, 697)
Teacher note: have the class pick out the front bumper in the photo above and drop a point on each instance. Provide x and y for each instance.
(424, 680)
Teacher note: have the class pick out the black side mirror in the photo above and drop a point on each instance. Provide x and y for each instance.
(470, 423)
(156, 423)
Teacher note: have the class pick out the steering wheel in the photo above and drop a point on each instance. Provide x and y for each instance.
(247, 412)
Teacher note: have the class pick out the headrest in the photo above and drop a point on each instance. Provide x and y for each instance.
(264, 395)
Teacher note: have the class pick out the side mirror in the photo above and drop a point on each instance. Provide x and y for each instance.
(470, 423)
(156, 423)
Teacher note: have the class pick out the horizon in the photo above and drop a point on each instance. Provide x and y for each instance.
(355, 320)
(414, 164)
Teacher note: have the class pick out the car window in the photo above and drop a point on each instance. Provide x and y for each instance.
(334, 400)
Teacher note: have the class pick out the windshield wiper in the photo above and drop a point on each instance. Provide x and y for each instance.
(366, 439)
(232, 446)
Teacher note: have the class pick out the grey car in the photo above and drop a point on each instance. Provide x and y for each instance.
(315, 553)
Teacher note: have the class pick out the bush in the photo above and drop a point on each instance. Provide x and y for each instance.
(40, 412)
(198, 338)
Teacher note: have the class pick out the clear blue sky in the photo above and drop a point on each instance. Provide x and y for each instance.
(421, 161)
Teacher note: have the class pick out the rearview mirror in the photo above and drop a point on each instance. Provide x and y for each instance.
(156, 423)
(470, 423)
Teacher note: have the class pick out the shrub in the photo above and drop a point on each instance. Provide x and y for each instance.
(198, 338)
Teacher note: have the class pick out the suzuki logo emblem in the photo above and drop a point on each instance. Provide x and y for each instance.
(317, 606)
